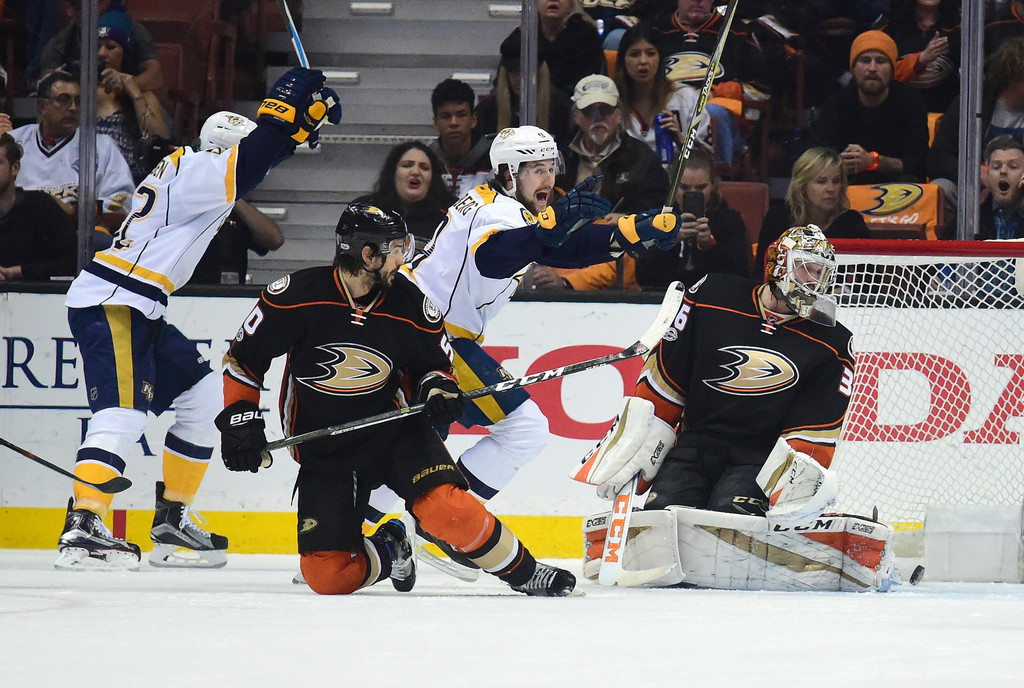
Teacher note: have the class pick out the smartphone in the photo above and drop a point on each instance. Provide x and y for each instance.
(693, 203)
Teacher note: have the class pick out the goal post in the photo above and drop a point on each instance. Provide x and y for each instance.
(937, 412)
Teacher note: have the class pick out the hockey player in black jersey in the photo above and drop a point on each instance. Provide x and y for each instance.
(733, 425)
(360, 341)
(742, 367)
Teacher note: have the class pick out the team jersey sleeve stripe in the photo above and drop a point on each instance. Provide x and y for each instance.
(229, 175)
(462, 333)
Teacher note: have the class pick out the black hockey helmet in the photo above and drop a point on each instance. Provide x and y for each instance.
(364, 223)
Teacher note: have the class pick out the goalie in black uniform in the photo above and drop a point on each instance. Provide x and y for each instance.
(737, 411)
(361, 341)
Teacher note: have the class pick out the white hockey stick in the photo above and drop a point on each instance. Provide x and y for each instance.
(612, 573)
(286, 14)
(670, 306)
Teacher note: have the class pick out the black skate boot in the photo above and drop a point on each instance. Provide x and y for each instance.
(403, 564)
(179, 542)
(87, 543)
(548, 581)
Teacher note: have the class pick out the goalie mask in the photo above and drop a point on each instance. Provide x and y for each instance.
(364, 223)
(516, 145)
(800, 267)
(223, 130)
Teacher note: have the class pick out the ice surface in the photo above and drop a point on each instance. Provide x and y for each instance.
(248, 625)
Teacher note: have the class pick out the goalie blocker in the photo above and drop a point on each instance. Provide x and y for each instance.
(836, 552)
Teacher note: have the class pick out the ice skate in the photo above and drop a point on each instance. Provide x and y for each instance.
(87, 544)
(403, 563)
(179, 542)
(548, 581)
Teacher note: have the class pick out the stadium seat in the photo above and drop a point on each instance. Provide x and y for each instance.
(750, 200)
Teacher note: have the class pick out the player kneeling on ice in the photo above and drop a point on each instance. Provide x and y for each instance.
(134, 361)
(733, 424)
(360, 340)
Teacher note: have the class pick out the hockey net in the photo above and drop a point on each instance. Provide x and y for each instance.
(937, 412)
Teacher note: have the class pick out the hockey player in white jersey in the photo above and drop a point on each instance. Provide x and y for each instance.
(133, 360)
(475, 261)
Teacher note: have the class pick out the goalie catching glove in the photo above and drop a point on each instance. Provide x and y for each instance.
(798, 487)
(635, 234)
(637, 442)
(299, 104)
(443, 401)
(570, 212)
(242, 436)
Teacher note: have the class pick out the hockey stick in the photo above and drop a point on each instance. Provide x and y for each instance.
(698, 109)
(612, 573)
(666, 314)
(286, 14)
(112, 486)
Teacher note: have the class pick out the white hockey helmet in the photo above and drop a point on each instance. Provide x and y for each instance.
(516, 145)
(223, 130)
(800, 266)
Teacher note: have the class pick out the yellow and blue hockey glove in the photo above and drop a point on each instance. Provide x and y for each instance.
(635, 234)
(578, 207)
(300, 104)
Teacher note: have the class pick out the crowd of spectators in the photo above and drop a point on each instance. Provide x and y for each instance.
(881, 104)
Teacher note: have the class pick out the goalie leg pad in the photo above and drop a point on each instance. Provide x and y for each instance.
(835, 552)
(798, 488)
(651, 543)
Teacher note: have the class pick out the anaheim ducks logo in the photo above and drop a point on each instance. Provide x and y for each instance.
(894, 198)
(307, 524)
(349, 369)
(755, 371)
(691, 66)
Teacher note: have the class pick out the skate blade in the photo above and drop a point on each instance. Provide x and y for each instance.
(81, 559)
(299, 579)
(171, 557)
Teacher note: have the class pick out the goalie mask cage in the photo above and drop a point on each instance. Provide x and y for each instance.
(937, 412)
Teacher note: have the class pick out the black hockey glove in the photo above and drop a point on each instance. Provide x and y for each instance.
(635, 234)
(299, 104)
(443, 401)
(242, 439)
(570, 212)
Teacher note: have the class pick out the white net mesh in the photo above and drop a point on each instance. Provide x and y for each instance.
(937, 413)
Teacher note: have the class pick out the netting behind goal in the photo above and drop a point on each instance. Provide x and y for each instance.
(937, 412)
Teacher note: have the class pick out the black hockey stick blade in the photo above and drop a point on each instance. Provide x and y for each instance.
(666, 315)
(112, 486)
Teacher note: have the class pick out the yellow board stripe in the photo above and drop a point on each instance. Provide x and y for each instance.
(119, 320)
(266, 532)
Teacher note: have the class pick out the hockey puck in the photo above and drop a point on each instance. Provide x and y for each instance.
(917, 575)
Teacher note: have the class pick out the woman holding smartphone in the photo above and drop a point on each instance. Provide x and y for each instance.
(712, 236)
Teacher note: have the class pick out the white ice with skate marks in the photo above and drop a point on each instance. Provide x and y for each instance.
(248, 625)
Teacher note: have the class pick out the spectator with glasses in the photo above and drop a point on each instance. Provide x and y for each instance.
(50, 162)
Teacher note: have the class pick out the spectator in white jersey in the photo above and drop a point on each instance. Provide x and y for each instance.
(134, 361)
(50, 162)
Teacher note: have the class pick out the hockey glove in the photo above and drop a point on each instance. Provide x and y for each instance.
(635, 234)
(242, 439)
(299, 104)
(637, 442)
(443, 401)
(570, 212)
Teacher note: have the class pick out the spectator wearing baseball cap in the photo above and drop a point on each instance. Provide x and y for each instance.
(878, 125)
(633, 178)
